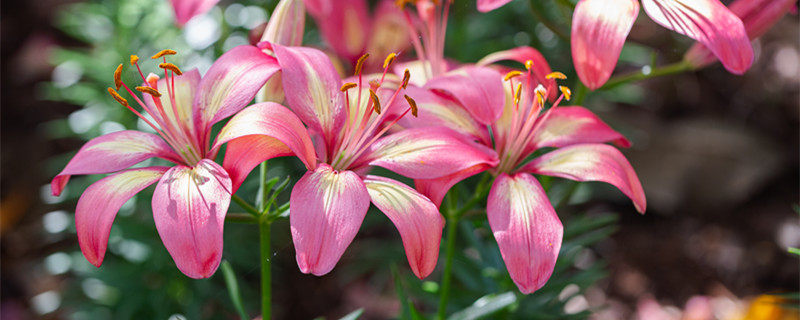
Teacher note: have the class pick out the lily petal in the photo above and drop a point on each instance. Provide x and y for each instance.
(189, 207)
(230, 84)
(345, 27)
(566, 126)
(540, 67)
(416, 218)
(489, 5)
(389, 34)
(599, 29)
(478, 89)
(328, 207)
(428, 153)
(437, 111)
(314, 85)
(710, 23)
(184, 88)
(99, 204)
(592, 162)
(261, 132)
(185, 10)
(436, 189)
(527, 229)
(113, 152)
(286, 24)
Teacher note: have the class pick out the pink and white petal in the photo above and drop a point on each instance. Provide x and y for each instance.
(314, 85)
(318, 7)
(189, 208)
(599, 29)
(592, 162)
(346, 28)
(478, 89)
(489, 5)
(328, 207)
(99, 204)
(416, 218)
(230, 84)
(527, 229)
(185, 10)
(436, 189)
(427, 153)
(565, 126)
(261, 132)
(540, 67)
(437, 111)
(710, 23)
(113, 152)
(184, 88)
(287, 23)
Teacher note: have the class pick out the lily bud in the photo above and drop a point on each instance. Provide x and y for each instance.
(287, 23)
(758, 16)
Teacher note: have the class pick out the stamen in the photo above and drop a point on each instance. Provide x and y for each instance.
(165, 52)
(413, 105)
(150, 91)
(360, 63)
(389, 60)
(374, 83)
(376, 104)
(565, 91)
(118, 76)
(406, 78)
(171, 67)
(117, 97)
(528, 64)
(556, 75)
(134, 59)
(512, 74)
(540, 94)
(348, 86)
(518, 94)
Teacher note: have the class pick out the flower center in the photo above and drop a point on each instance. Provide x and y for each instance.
(173, 122)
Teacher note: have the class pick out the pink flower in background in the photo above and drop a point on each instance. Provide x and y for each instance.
(758, 16)
(489, 5)
(599, 29)
(348, 121)
(192, 197)
(524, 222)
(185, 10)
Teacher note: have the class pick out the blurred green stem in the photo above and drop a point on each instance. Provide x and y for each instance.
(537, 12)
(580, 94)
(669, 69)
(452, 226)
(264, 226)
(240, 218)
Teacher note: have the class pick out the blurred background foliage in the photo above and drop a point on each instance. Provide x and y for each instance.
(717, 155)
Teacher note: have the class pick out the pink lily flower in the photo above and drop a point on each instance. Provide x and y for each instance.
(521, 217)
(351, 31)
(192, 197)
(758, 16)
(348, 121)
(185, 10)
(489, 5)
(599, 29)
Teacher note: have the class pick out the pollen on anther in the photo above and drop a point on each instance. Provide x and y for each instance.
(518, 93)
(389, 60)
(556, 75)
(134, 59)
(165, 52)
(150, 91)
(528, 64)
(376, 104)
(406, 78)
(565, 91)
(118, 76)
(512, 74)
(540, 94)
(360, 63)
(348, 86)
(117, 97)
(412, 104)
(171, 67)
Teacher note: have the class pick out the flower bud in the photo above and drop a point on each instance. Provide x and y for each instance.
(287, 23)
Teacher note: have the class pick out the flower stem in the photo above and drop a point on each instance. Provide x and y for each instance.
(240, 218)
(246, 206)
(266, 268)
(669, 69)
(452, 226)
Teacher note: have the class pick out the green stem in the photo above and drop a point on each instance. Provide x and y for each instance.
(669, 69)
(246, 206)
(452, 226)
(266, 269)
(536, 11)
(580, 94)
(241, 218)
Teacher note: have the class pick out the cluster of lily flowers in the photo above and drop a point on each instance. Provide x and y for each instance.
(428, 119)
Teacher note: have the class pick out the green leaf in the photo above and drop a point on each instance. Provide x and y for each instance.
(485, 306)
(795, 251)
(233, 289)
